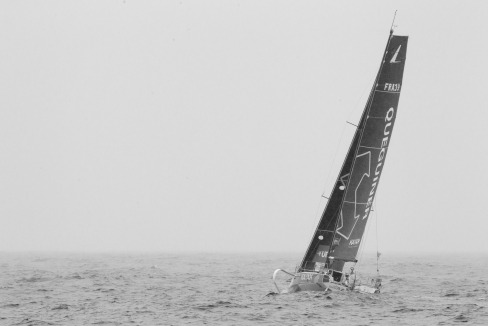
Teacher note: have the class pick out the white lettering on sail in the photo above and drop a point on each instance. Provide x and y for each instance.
(384, 142)
(393, 59)
(377, 172)
(390, 114)
(391, 87)
(306, 276)
(382, 154)
(322, 253)
(354, 242)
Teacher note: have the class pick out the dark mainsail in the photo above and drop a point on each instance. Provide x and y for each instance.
(341, 227)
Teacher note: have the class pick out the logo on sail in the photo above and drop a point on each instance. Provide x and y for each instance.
(362, 170)
(393, 59)
(354, 242)
(381, 156)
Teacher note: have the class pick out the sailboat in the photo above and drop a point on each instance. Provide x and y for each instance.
(331, 256)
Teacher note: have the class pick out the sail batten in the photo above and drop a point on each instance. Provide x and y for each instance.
(371, 147)
(379, 91)
(351, 199)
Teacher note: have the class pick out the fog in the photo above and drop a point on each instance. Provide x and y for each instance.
(215, 126)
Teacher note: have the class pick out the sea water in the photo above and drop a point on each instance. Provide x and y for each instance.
(234, 289)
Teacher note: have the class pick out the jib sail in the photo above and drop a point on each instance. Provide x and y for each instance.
(341, 227)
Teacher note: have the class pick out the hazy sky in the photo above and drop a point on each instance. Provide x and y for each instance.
(214, 125)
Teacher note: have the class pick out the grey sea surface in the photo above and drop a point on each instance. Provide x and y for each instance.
(233, 289)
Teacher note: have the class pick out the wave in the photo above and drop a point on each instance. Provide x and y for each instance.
(205, 307)
(32, 322)
(65, 292)
(34, 279)
(219, 303)
(461, 318)
(102, 322)
(397, 279)
(104, 290)
(451, 294)
(61, 307)
(74, 276)
(402, 310)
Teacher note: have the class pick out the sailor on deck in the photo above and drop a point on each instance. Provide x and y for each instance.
(352, 278)
(376, 282)
(329, 275)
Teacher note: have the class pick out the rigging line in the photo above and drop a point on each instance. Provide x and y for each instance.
(334, 158)
(370, 147)
(358, 107)
(393, 22)
(366, 233)
(391, 92)
(324, 188)
(377, 243)
(354, 202)
(336, 213)
(361, 247)
(363, 241)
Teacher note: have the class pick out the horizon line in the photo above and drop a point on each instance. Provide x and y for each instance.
(246, 252)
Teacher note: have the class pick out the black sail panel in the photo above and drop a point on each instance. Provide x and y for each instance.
(371, 153)
(323, 238)
(343, 221)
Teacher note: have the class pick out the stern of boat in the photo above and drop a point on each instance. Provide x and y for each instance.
(302, 281)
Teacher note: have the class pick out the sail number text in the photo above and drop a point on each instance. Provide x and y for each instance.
(306, 276)
(392, 87)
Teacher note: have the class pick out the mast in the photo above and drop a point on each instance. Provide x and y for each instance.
(342, 223)
(365, 113)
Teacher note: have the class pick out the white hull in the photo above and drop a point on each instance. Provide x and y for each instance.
(313, 281)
